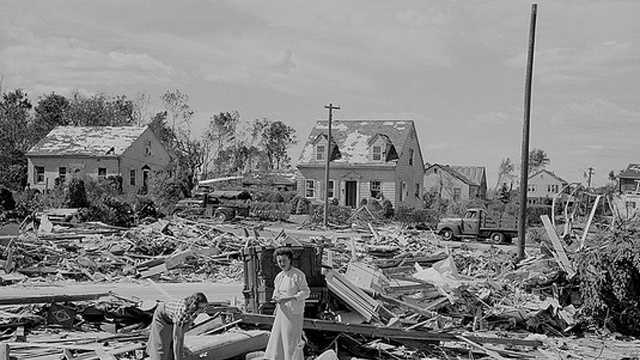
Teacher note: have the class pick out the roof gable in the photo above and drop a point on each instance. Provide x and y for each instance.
(550, 173)
(353, 138)
(87, 141)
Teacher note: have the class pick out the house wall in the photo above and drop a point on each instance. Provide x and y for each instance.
(363, 176)
(413, 174)
(541, 186)
(136, 157)
(628, 185)
(78, 166)
(441, 182)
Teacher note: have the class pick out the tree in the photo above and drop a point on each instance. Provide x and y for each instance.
(100, 110)
(505, 172)
(276, 138)
(538, 160)
(612, 176)
(179, 112)
(49, 113)
(15, 138)
(221, 141)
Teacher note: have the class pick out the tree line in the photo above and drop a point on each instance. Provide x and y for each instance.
(228, 146)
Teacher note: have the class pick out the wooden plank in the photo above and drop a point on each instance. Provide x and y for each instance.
(68, 355)
(381, 332)
(5, 349)
(156, 270)
(103, 355)
(559, 254)
(43, 299)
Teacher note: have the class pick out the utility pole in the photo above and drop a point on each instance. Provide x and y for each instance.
(524, 152)
(590, 172)
(326, 166)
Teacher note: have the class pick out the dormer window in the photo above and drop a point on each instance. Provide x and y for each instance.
(377, 153)
(320, 152)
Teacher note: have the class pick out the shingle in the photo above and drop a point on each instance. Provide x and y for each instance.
(87, 140)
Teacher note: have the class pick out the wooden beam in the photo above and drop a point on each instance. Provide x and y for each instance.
(43, 299)
(381, 332)
(559, 254)
(4, 351)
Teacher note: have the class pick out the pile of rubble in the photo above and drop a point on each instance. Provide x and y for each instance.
(168, 250)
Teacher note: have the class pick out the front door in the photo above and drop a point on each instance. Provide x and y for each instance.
(471, 223)
(350, 193)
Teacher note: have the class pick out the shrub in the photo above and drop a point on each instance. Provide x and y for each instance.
(166, 191)
(534, 213)
(408, 215)
(7, 202)
(275, 197)
(387, 209)
(110, 210)
(294, 204)
(289, 195)
(374, 206)
(337, 214)
(27, 202)
(304, 206)
(271, 211)
(144, 207)
(77, 194)
(610, 281)
(334, 202)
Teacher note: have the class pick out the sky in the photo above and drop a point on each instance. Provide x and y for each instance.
(457, 68)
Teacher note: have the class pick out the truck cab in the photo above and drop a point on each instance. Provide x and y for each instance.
(476, 224)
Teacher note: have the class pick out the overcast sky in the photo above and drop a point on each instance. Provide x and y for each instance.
(455, 67)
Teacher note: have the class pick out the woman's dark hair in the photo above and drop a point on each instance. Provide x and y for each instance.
(283, 251)
(193, 301)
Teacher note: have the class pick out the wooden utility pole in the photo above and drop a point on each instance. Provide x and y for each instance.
(590, 172)
(524, 152)
(326, 166)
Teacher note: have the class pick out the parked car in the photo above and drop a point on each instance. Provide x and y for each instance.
(222, 205)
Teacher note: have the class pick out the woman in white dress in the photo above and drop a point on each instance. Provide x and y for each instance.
(290, 292)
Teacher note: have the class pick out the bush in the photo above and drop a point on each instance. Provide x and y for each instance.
(271, 211)
(7, 202)
(289, 195)
(387, 209)
(413, 216)
(303, 207)
(374, 206)
(610, 281)
(166, 191)
(110, 210)
(337, 214)
(77, 195)
(334, 202)
(534, 212)
(144, 207)
(294, 204)
(27, 202)
(275, 197)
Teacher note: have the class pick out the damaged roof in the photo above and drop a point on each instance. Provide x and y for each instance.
(352, 138)
(454, 172)
(87, 141)
(475, 174)
(631, 172)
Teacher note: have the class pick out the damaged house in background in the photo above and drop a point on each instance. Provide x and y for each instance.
(370, 159)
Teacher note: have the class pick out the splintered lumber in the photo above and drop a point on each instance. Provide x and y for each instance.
(4, 351)
(49, 299)
(559, 254)
(357, 299)
(383, 332)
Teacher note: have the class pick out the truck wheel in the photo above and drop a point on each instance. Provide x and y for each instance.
(497, 238)
(447, 234)
(220, 216)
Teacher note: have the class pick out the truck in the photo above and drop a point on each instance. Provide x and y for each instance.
(477, 224)
(221, 205)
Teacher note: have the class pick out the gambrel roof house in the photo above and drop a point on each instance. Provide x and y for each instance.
(370, 158)
(132, 152)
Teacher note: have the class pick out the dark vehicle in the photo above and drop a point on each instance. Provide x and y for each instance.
(221, 205)
(260, 269)
(477, 224)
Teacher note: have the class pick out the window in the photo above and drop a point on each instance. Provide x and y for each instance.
(310, 188)
(457, 193)
(62, 174)
(38, 174)
(417, 191)
(132, 177)
(410, 156)
(375, 189)
(331, 189)
(147, 149)
(532, 188)
(102, 173)
(320, 150)
(377, 153)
